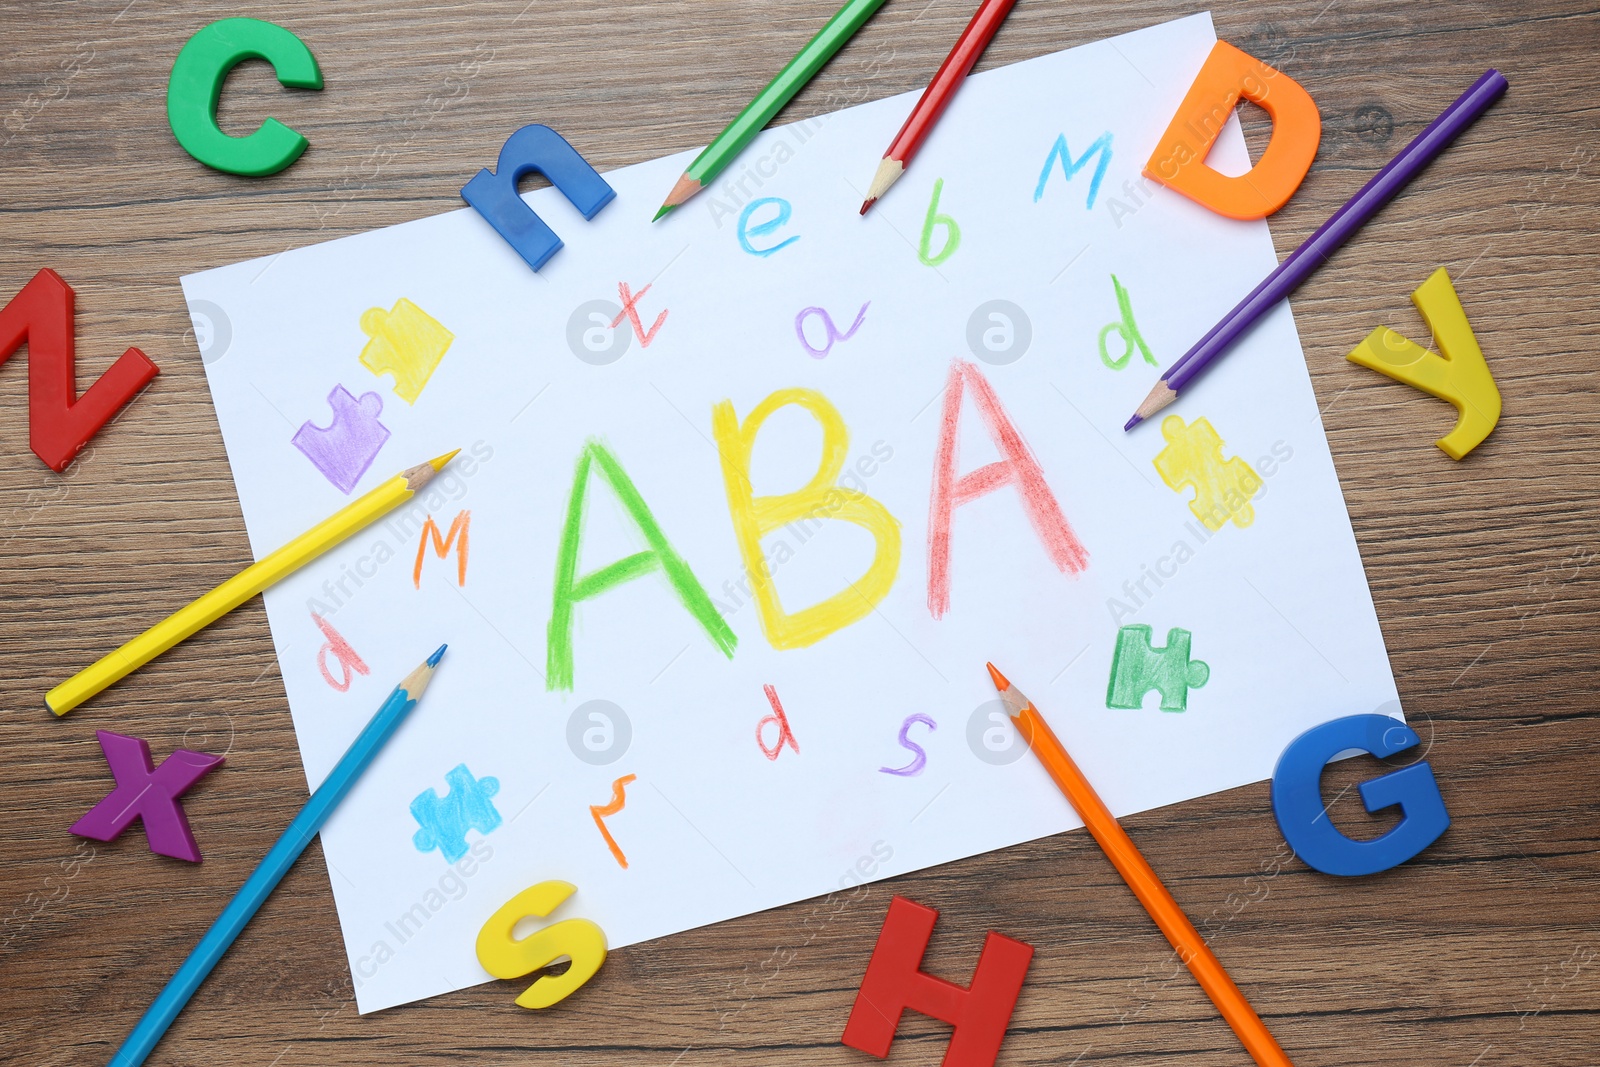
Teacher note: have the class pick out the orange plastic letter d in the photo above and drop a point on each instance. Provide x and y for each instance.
(1179, 161)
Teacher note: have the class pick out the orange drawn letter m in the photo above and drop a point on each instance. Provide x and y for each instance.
(442, 545)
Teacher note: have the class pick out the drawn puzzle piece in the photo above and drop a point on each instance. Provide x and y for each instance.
(1137, 667)
(445, 821)
(1193, 458)
(1460, 376)
(407, 343)
(149, 793)
(347, 446)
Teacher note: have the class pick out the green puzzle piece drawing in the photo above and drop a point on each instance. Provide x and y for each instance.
(1138, 667)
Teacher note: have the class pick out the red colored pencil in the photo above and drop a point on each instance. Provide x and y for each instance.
(937, 96)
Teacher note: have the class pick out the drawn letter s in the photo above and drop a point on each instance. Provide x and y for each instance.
(920, 759)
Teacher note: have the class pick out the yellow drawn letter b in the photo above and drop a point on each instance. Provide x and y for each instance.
(822, 498)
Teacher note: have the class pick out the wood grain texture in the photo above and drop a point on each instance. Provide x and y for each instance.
(1483, 951)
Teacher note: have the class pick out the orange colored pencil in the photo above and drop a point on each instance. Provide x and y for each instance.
(937, 96)
(1136, 871)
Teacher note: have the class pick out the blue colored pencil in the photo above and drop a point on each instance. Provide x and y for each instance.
(274, 866)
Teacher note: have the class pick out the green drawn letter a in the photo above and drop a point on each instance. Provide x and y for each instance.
(570, 589)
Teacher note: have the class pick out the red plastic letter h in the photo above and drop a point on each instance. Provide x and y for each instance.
(894, 982)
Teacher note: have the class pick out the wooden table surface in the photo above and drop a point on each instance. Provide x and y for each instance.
(1483, 950)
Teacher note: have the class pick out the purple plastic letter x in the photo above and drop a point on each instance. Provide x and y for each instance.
(149, 793)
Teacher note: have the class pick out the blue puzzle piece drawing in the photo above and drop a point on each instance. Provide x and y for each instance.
(445, 821)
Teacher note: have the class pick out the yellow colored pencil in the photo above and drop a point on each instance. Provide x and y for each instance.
(244, 585)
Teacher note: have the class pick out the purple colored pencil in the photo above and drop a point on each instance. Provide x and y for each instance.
(1320, 246)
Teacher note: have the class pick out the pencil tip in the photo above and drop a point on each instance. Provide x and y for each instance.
(683, 190)
(433, 660)
(438, 462)
(1161, 394)
(866, 205)
(1000, 681)
(889, 171)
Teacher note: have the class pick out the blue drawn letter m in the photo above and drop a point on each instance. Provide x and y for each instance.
(1070, 166)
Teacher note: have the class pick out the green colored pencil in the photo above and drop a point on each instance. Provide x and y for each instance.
(790, 80)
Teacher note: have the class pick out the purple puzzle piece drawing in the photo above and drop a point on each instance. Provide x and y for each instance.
(149, 793)
(346, 448)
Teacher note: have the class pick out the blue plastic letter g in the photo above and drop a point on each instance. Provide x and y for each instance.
(1297, 797)
(535, 149)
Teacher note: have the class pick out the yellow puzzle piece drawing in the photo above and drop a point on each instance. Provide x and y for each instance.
(406, 342)
(1223, 488)
(1460, 375)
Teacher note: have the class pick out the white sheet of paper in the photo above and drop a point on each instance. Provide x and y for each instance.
(712, 828)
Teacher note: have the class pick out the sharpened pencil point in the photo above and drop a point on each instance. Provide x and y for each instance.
(433, 660)
(438, 462)
(1000, 682)
(683, 190)
(665, 209)
(1160, 396)
(889, 171)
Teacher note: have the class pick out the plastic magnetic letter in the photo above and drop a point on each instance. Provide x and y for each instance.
(754, 517)
(1460, 375)
(1297, 797)
(895, 982)
(60, 422)
(505, 956)
(1179, 161)
(535, 150)
(196, 83)
(148, 793)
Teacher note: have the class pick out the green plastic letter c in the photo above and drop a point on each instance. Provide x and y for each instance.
(196, 83)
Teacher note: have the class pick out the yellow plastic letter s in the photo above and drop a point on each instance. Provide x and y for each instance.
(504, 956)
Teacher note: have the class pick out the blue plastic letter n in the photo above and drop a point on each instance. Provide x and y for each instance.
(535, 149)
(1297, 797)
